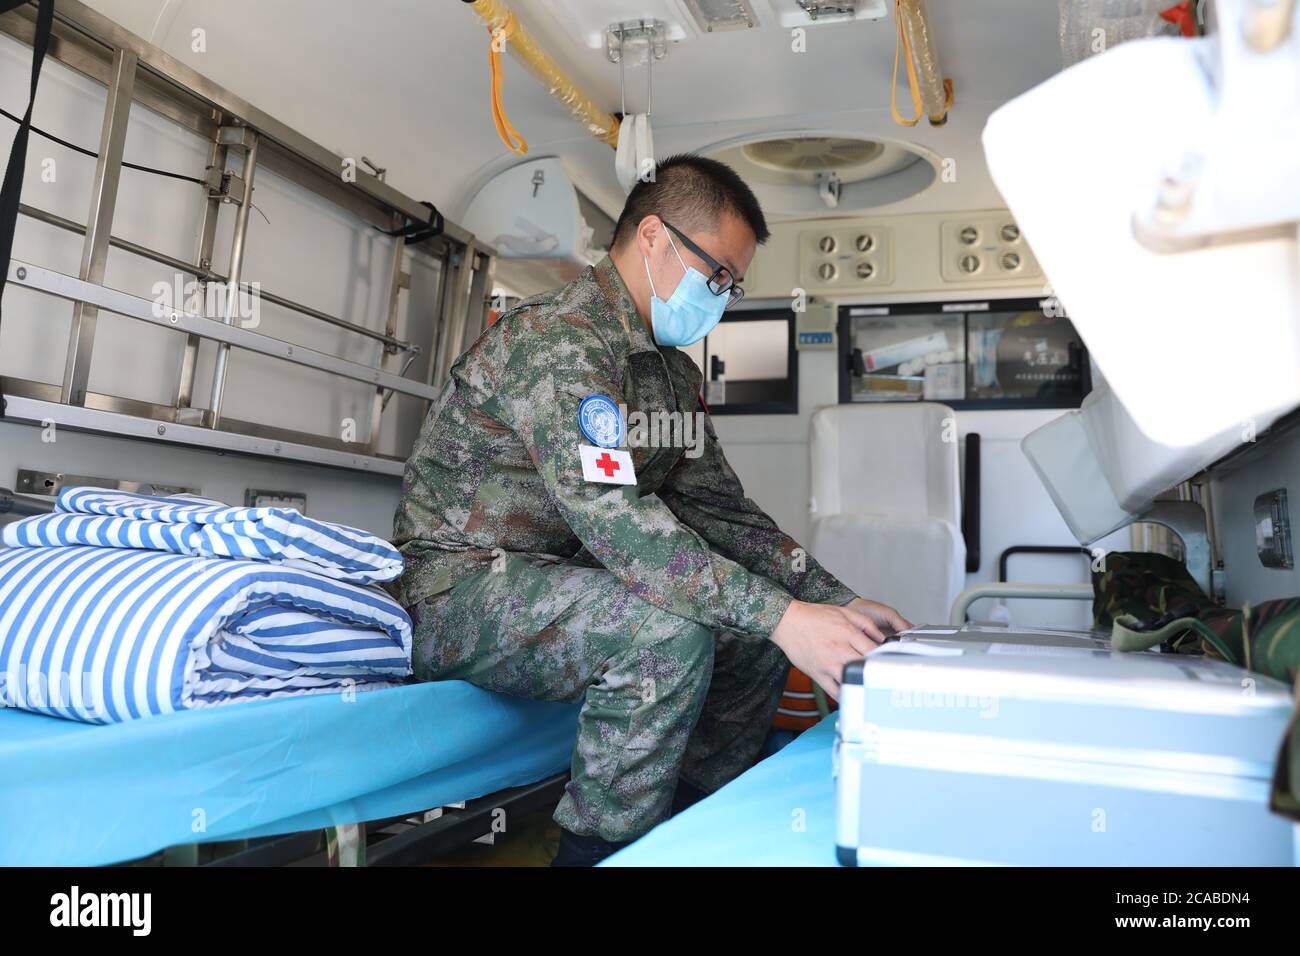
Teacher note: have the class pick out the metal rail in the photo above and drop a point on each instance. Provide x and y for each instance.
(36, 412)
(13, 506)
(135, 71)
(103, 202)
(1056, 592)
(207, 275)
(236, 267)
(111, 300)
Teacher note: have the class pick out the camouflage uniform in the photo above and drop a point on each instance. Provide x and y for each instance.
(649, 603)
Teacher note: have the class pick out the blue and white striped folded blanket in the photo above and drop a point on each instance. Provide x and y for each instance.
(106, 634)
(200, 527)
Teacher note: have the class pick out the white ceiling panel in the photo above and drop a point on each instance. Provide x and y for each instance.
(406, 82)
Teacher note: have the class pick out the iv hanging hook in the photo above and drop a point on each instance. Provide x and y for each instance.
(629, 38)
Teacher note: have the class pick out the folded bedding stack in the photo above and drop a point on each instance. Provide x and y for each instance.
(117, 606)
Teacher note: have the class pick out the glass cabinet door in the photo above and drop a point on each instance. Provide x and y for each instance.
(1026, 355)
(906, 357)
(1020, 353)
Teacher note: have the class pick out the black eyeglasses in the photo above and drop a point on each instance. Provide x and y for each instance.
(722, 281)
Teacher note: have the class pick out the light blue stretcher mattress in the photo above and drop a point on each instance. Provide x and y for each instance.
(778, 813)
(83, 795)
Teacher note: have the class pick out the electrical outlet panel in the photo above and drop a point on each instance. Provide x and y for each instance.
(983, 249)
(849, 258)
(257, 498)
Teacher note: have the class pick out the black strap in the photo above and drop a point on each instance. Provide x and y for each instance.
(94, 155)
(12, 190)
(415, 232)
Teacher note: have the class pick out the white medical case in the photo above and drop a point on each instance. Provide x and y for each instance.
(992, 745)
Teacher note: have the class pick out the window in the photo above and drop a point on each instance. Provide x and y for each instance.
(1013, 353)
(750, 363)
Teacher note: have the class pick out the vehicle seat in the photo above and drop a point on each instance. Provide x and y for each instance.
(885, 507)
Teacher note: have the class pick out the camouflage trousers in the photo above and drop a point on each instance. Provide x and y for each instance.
(662, 697)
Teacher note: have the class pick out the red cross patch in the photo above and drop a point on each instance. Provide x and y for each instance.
(609, 466)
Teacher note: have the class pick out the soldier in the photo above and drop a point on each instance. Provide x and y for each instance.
(553, 554)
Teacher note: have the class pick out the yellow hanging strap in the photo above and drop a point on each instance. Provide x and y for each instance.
(903, 48)
(498, 38)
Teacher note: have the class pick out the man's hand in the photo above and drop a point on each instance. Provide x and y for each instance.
(820, 639)
(884, 616)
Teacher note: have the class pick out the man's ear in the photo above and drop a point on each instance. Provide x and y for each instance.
(648, 233)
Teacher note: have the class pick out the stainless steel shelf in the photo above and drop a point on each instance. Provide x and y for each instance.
(33, 411)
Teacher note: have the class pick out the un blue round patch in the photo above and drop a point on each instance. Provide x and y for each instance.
(600, 421)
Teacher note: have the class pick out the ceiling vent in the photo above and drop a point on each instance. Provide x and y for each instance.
(813, 154)
(805, 172)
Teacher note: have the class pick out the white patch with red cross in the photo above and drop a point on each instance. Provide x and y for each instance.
(609, 466)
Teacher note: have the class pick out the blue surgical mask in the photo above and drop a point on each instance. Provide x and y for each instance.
(690, 313)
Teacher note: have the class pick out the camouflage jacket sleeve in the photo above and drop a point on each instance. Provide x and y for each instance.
(707, 496)
(636, 537)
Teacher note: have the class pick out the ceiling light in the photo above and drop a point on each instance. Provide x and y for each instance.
(714, 15)
(831, 11)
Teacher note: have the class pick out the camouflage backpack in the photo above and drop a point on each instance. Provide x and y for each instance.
(1150, 587)
(1149, 600)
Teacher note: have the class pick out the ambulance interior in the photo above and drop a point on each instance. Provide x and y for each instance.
(1031, 298)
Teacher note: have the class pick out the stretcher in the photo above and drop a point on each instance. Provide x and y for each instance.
(779, 813)
(83, 794)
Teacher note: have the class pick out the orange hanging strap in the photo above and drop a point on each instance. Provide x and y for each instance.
(498, 38)
(903, 47)
(947, 103)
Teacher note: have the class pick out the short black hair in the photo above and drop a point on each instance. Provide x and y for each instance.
(692, 192)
